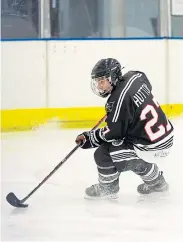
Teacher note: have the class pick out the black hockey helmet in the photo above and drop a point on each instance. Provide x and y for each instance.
(109, 69)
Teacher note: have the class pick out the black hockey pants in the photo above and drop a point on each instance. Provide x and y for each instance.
(111, 160)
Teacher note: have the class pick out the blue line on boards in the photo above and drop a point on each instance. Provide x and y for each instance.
(88, 39)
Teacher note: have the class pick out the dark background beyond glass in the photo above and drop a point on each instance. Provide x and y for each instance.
(177, 26)
(83, 18)
(19, 19)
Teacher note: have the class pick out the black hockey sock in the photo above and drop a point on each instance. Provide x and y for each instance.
(110, 178)
(147, 171)
(151, 174)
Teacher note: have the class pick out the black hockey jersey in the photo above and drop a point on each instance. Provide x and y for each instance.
(133, 114)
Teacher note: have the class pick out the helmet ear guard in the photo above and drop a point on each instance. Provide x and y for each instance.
(116, 74)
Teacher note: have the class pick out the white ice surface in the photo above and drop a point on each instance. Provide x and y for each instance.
(58, 210)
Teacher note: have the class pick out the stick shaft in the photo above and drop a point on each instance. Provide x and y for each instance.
(61, 163)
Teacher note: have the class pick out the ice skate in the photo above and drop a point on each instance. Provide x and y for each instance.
(103, 191)
(159, 185)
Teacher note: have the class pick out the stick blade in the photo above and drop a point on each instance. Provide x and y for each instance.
(14, 201)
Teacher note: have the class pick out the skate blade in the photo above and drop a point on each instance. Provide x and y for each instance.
(107, 197)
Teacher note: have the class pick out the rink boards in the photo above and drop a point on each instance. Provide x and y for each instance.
(49, 80)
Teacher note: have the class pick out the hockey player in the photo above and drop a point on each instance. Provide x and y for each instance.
(135, 121)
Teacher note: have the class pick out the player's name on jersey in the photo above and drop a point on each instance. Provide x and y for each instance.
(140, 96)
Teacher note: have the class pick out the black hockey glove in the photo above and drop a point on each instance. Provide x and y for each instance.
(88, 140)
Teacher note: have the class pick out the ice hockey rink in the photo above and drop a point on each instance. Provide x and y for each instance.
(58, 210)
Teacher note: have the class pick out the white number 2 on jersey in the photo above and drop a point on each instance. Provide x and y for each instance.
(148, 126)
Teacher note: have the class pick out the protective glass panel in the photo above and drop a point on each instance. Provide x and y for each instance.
(104, 18)
(73, 18)
(19, 19)
(142, 18)
(177, 26)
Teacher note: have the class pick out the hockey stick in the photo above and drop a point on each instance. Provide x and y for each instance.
(15, 202)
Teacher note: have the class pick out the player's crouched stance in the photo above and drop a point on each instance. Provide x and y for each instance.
(135, 121)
